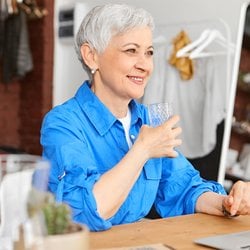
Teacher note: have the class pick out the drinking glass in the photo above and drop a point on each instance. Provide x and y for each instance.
(19, 173)
(159, 113)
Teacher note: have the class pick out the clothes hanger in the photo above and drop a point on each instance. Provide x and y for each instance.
(214, 36)
(185, 50)
(195, 49)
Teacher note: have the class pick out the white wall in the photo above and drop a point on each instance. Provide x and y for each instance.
(68, 74)
(172, 11)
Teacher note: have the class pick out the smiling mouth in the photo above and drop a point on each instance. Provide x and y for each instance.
(136, 79)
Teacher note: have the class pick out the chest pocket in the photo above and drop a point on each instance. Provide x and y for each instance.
(153, 169)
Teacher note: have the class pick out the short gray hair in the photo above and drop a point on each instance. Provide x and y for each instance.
(105, 21)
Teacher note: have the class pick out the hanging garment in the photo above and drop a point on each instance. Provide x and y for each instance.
(15, 52)
(11, 36)
(200, 101)
(184, 65)
(3, 9)
(24, 58)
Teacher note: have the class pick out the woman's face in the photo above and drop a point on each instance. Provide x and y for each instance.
(125, 66)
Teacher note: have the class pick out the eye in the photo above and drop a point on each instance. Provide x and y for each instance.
(150, 53)
(131, 50)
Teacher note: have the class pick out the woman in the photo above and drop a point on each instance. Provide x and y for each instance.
(107, 163)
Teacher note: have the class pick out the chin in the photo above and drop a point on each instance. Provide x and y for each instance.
(137, 96)
(137, 93)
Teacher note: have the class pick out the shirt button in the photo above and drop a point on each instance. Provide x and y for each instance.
(132, 137)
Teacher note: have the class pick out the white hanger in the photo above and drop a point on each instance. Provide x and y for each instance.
(185, 50)
(195, 49)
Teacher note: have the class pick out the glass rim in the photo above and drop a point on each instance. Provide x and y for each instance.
(157, 103)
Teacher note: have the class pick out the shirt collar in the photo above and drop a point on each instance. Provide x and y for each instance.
(95, 109)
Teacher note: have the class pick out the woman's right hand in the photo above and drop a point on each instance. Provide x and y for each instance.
(160, 141)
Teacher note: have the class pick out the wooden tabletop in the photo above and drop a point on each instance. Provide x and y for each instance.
(177, 232)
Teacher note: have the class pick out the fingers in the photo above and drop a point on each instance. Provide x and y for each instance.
(172, 121)
(237, 194)
(228, 202)
(171, 133)
(170, 126)
(161, 141)
(176, 131)
(238, 200)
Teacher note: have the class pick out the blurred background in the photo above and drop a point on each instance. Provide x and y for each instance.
(43, 71)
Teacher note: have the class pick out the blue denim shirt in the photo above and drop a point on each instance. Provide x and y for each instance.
(83, 140)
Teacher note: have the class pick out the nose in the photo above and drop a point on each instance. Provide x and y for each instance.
(144, 63)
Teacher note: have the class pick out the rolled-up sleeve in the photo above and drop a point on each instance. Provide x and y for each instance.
(180, 187)
(73, 171)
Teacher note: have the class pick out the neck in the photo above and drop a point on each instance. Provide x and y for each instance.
(118, 107)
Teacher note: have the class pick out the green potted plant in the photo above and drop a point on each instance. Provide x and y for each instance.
(54, 221)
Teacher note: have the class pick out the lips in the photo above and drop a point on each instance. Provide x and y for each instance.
(136, 79)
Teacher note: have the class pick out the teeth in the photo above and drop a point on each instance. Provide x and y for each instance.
(136, 78)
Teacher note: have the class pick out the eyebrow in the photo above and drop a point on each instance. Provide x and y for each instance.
(137, 45)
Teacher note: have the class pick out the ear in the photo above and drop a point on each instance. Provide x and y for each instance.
(89, 55)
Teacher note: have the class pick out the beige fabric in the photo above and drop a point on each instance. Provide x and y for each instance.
(184, 65)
